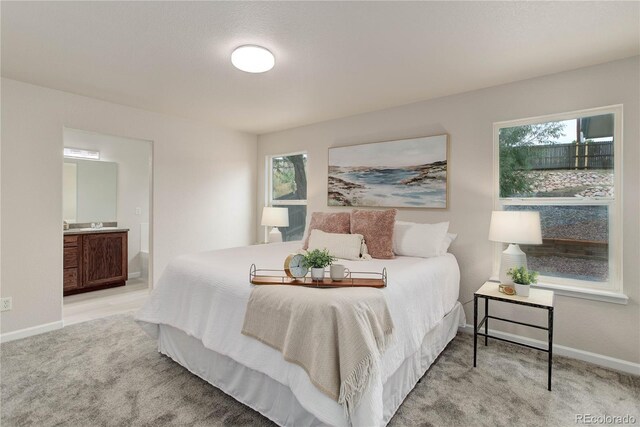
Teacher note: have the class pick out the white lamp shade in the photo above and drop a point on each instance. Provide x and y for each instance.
(515, 227)
(275, 217)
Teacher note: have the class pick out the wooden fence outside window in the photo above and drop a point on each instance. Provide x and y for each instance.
(586, 155)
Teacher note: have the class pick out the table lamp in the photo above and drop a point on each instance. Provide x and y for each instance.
(514, 227)
(275, 217)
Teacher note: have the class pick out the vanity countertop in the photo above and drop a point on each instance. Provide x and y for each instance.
(94, 230)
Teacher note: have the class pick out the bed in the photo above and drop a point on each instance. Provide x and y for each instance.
(196, 313)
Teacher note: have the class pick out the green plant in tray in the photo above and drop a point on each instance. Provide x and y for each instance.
(318, 259)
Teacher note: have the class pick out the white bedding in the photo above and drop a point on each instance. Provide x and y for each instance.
(205, 295)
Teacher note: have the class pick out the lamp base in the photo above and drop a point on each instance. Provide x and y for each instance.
(512, 257)
(275, 236)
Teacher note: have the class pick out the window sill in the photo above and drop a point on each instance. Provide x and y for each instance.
(591, 294)
(584, 293)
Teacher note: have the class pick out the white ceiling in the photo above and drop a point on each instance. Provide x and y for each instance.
(333, 59)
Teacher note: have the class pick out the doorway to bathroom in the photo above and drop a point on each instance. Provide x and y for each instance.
(107, 211)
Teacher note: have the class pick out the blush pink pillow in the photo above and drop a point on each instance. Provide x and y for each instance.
(377, 229)
(338, 222)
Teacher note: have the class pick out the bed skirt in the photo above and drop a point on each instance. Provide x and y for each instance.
(275, 400)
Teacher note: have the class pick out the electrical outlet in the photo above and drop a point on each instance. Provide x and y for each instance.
(5, 304)
(138, 211)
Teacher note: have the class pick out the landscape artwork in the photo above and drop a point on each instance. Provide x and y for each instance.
(407, 173)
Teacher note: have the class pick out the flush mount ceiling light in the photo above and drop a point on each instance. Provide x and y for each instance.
(253, 59)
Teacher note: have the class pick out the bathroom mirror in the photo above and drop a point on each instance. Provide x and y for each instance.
(90, 190)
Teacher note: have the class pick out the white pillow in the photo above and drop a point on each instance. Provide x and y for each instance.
(343, 246)
(419, 240)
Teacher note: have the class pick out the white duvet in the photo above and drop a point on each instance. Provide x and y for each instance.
(205, 295)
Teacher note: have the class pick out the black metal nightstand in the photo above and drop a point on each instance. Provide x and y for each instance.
(537, 298)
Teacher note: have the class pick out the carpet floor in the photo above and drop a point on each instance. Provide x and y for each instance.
(107, 372)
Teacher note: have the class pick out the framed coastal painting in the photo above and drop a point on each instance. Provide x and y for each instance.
(406, 173)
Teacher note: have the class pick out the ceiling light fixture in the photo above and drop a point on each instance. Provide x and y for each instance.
(79, 153)
(253, 59)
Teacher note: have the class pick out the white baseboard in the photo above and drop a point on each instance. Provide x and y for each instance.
(27, 332)
(574, 353)
(561, 350)
(134, 275)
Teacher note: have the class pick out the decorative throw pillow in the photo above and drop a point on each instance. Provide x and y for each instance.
(329, 222)
(377, 229)
(419, 240)
(343, 246)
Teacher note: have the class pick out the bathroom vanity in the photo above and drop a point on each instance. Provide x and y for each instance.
(94, 259)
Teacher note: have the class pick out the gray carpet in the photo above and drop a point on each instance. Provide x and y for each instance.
(107, 372)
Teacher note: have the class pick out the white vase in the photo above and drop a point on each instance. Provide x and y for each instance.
(522, 290)
(317, 273)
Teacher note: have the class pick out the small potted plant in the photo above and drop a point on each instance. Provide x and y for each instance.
(522, 278)
(317, 260)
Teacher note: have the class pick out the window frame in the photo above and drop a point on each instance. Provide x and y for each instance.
(610, 291)
(269, 201)
(268, 191)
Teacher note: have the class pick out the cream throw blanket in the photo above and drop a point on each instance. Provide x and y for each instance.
(336, 335)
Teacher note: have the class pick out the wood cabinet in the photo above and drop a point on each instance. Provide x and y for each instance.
(71, 262)
(94, 260)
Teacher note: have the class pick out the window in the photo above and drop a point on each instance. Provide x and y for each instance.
(567, 167)
(287, 188)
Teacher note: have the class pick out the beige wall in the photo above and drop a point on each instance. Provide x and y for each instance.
(598, 327)
(203, 189)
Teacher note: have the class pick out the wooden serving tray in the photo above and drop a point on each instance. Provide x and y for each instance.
(280, 278)
(325, 283)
